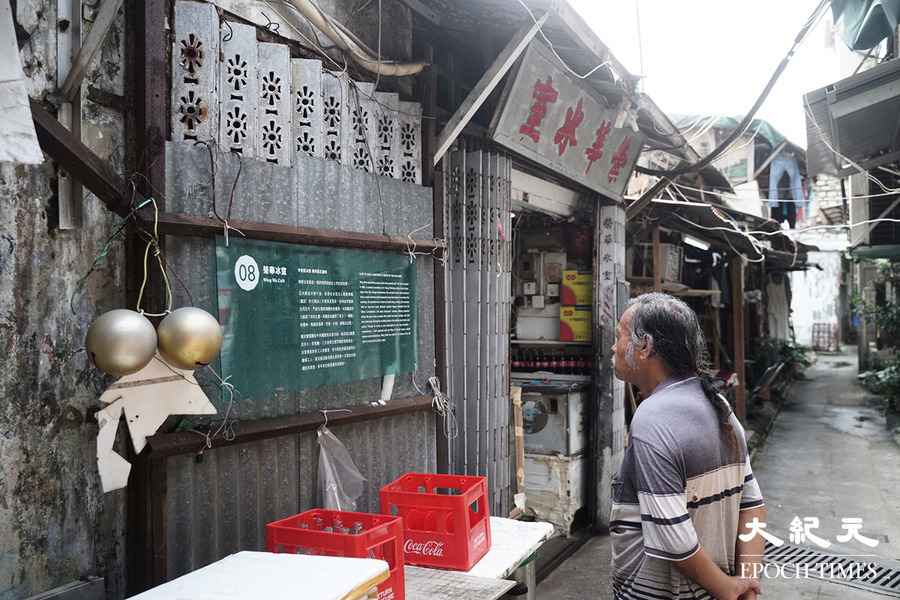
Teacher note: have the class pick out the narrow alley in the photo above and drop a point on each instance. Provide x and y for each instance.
(829, 455)
(433, 299)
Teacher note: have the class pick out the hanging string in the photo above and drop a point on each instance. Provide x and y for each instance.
(226, 427)
(442, 406)
(104, 252)
(212, 169)
(153, 242)
(325, 412)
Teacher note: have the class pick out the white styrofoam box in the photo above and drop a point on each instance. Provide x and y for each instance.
(538, 324)
(537, 301)
(554, 488)
(247, 575)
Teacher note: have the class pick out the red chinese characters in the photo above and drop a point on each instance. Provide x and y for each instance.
(544, 93)
(619, 159)
(565, 135)
(595, 152)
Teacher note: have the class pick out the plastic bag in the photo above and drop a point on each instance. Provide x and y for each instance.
(340, 482)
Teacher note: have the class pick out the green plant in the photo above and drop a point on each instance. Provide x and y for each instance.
(771, 351)
(885, 382)
(886, 318)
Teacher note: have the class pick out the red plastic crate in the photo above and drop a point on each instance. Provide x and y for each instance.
(445, 518)
(381, 538)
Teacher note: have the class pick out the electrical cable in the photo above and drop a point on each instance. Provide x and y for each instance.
(605, 63)
(716, 152)
(153, 242)
(822, 137)
(736, 196)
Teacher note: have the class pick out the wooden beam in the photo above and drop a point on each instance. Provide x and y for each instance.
(657, 261)
(187, 442)
(423, 10)
(636, 207)
(103, 21)
(79, 160)
(738, 335)
(195, 225)
(485, 86)
(146, 126)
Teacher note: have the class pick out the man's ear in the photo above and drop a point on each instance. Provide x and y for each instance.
(647, 348)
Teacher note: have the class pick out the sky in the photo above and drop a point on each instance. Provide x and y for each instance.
(715, 56)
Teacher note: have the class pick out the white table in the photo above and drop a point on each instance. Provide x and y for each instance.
(513, 543)
(255, 575)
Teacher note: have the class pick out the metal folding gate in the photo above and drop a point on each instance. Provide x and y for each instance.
(479, 262)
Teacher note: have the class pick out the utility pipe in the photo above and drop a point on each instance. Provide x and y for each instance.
(336, 34)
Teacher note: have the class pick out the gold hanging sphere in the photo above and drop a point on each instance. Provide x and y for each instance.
(121, 342)
(189, 338)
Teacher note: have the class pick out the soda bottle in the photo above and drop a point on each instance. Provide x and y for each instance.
(553, 363)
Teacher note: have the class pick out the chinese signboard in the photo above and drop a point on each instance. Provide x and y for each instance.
(558, 121)
(297, 317)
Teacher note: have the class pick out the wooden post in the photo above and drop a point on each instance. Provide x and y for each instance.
(657, 261)
(737, 315)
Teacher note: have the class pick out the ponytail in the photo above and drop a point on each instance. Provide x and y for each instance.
(723, 412)
(674, 333)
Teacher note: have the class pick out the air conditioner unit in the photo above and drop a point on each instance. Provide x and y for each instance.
(859, 117)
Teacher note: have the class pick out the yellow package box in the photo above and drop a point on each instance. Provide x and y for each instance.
(575, 324)
(577, 288)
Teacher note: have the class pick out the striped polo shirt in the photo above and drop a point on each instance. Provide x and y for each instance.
(679, 488)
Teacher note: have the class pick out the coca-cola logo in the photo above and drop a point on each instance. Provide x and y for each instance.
(479, 539)
(429, 548)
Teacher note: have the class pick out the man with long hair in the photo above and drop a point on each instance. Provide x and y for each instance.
(685, 489)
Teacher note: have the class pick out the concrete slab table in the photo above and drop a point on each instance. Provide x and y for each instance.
(513, 546)
(255, 575)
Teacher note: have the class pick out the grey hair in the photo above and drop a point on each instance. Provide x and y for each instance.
(669, 328)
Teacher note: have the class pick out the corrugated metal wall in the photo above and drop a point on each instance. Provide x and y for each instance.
(477, 201)
(300, 146)
(220, 504)
(312, 193)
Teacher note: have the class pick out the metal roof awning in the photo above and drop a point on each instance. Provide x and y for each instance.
(716, 226)
(879, 251)
(703, 221)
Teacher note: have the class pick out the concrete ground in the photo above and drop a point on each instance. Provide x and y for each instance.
(829, 455)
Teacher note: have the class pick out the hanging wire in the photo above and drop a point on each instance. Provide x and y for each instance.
(153, 242)
(868, 175)
(104, 252)
(441, 404)
(565, 65)
(212, 168)
(227, 426)
(353, 90)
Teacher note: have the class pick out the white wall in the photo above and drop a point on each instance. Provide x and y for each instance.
(816, 294)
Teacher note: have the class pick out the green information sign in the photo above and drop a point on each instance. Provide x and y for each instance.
(297, 317)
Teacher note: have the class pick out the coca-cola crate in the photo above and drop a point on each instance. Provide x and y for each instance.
(445, 518)
(340, 533)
